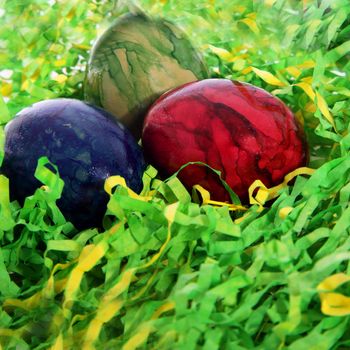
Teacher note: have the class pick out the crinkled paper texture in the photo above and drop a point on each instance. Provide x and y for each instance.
(170, 269)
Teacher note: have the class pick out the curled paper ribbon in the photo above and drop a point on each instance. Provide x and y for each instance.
(334, 304)
(117, 180)
(206, 200)
(265, 194)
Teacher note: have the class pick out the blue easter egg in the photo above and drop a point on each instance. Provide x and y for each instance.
(84, 142)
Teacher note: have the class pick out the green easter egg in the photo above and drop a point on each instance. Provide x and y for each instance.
(134, 62)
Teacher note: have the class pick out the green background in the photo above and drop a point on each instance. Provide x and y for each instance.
(203, 278)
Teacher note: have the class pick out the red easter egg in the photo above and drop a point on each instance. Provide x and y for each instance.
(237, 128)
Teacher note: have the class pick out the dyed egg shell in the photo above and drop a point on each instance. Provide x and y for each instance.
(134, 62)
(236, 128)
(86, 145)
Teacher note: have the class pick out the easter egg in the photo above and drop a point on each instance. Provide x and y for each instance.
(134, 62)
(84, 142)
(236, 128)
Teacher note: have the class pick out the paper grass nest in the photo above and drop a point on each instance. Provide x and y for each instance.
(170, 272)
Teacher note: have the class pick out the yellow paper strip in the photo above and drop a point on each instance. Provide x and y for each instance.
(139, 338)
(332, 282)
(268, 77)
(169, 213)
(222, 53)
(293, 71)
(307, 64)
(334, 304)
(283, 213)
(322, 105)
(58, 344)
(117, 180)
(251, 24)
(206, 200)
(307, 89)
(60, 78)
(121, 286)
(264, 194)
(105, 313)
(170, 305)
(318, 100)
(89, 257)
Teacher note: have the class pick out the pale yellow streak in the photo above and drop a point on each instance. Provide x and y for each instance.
(112, 98)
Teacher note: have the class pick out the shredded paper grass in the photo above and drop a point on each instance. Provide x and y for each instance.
(173, 269)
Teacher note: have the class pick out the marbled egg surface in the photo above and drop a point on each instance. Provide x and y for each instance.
(234, 127)
(136, 60)
(84, 142)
